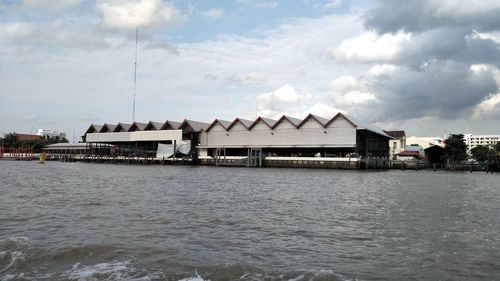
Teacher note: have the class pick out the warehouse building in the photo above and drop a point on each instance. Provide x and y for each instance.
(313, 136)
(339, 137)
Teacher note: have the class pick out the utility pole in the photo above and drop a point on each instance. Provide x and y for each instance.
(135, 71)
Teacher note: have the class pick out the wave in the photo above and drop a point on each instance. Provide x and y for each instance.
(21, 260)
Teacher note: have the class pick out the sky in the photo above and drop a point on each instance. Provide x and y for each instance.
(429, 67)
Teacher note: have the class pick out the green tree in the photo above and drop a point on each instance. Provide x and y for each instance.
(10, 140)
(496, 147)
(455, 148)
(482, 153)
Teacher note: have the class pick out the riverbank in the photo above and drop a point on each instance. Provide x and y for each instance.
(274, 162)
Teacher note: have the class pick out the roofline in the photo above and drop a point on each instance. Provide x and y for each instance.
(237, 119)
(309, 116)
(337, 116)
(281, 120)
(260, 119)
(170, 124)
(218, 121)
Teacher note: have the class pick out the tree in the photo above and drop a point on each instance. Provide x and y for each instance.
(482, 153)
(10, 140)
(455, 148)
(496, 147)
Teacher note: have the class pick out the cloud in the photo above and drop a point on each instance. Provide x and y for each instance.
(16, 30)
(449, 44)
(127, 15)
(369, 46)
(330, 4)
(212, 14)
(422, 15)
(429, 58)
(49, 5)
(258, 3)
(271, 104)
(443, 89)
(488, 108)
(54, 34)
(347, 93)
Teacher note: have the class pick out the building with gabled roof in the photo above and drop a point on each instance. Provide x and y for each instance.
(313, 136)
(338, 136)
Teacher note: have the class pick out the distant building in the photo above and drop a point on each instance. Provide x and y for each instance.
(28, 137)
(397, 144)
(475, 140)
(51, 133)
(412, 152)
(425, 142)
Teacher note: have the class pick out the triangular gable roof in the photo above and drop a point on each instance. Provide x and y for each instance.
(153, 126)
(269, 122)
(295, 122)
(195, 125)
(246, 123)
(93, 129)
(225, 124)
(433, 148)
(322, 121)
(171, 124)
(122, 127)
(107, 128)
(136, 126)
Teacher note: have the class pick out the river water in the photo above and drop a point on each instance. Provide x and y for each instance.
(75, 221)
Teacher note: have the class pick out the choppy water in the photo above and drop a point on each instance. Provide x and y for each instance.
(73, 221)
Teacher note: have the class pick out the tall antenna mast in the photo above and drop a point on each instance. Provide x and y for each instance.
(135, 71)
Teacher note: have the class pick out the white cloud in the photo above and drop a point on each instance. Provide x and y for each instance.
(489, 107)
(50, 5)
(286, 93)
(127, 15)
(333, 4)
(369, 46)
(348, 92)
(322, 110)
(258, 3)
(280, 101)
(381, 69)
(17, 29)
(212, 14)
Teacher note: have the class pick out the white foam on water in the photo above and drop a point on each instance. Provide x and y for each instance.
(320, 275)
(116, 271)
(16, 257)
(18, 241)
(197, 278)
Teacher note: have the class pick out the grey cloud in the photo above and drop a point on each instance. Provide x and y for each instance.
(422, 15)
(433, 75)
(444, 44)
(446, 90)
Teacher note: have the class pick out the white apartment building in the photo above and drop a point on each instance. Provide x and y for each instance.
(475, 140)
(50, 133)
(425, 142)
